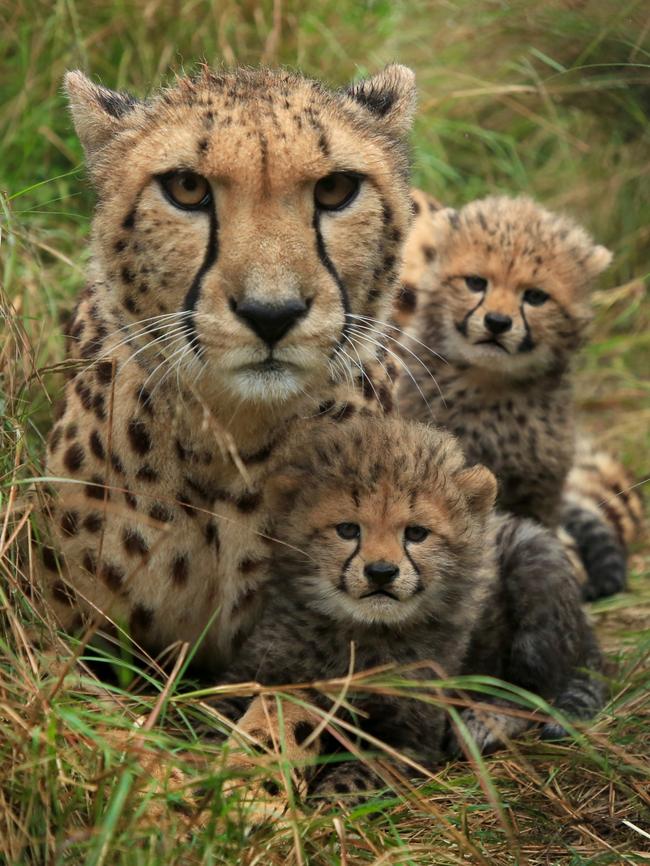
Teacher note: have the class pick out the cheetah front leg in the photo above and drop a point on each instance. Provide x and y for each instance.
(272, 735)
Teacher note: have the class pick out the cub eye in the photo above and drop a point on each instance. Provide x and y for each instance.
(186, 189)
(476, 284)
(348, 530)
(416, 533)
(536, 297)
(336, 190)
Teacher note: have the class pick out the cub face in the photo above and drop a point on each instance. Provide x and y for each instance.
(251, 212)
(512, 283)
(392, 539)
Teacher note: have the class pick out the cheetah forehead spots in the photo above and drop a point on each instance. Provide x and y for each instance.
(313, 180)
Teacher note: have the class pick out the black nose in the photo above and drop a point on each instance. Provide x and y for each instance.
(381, 573)
(270, 321)
(497, 323)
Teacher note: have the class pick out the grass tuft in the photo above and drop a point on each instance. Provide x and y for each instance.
(551, 99)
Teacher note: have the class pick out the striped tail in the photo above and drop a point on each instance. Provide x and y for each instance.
(602, 511)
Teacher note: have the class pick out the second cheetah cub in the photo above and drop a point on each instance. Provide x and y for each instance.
(389, 552)
(507, 308)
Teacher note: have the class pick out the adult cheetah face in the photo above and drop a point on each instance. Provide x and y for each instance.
(512, 285)
(388, 532)
(255, 213)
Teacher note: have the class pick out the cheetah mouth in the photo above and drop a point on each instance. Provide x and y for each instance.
(492, 342)
(269, 366)
(380, 592)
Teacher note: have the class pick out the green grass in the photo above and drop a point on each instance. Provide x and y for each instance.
(551, 99)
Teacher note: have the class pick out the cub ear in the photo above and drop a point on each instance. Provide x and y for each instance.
(599, 260)
(97, 112)
(480, 488)
(390, 96)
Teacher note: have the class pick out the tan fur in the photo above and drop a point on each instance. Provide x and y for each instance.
(160, 524)
(506, 394)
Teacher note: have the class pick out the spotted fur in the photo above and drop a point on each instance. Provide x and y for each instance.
(470, 591)
(178, 402)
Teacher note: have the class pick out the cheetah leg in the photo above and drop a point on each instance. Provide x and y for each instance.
(490, 729)
(286, 734)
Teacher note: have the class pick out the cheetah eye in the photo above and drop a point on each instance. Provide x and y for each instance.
(535, 297)
(337, 190)
(348, 531)
(416, 533)
(186, 189)
(476, 284)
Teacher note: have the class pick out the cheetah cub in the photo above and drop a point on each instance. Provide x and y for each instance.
(507, 309)
(389, 552)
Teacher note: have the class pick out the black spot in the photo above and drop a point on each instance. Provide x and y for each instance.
(70, 522)
(59, 409)
(247, 566)
(115, 104)
(147, 473)
(248, 502)
(203, 145)
(407, 298)
(127, 275)
(98, 407)
(55, 437)
(63, 594)
(85, 394)
(119, 246)
(97, 446)
(93, 522)
(326, 407)
(302, 731)
(112, 575)
(343, 412)
(134, 543)
(129, 220)
(71, 431)
(130, 499)
(50, 558)
(88, 561)
(104, 372)
(117, 464)
(428, 252)
(130, 304)
(97, 489)
(415, 207)
(161, 512)
(341, 788)
(212, 534)
(185, 502)
(74, 457)
(141, 618)
(138, 436)
(180, 569)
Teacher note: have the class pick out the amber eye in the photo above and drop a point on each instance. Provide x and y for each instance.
(536, 297)
(415, 533)
(348, 530)
(476, 284)
(336, 190)
(186, 189)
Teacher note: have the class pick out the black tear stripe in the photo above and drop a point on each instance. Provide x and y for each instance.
(526, 344)
(328, 264)
(413, 565)
(462, 327)
(346, 565)
(192, 296)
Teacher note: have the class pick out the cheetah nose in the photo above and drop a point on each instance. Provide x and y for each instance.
(270, 321)
(497, 323)
(381, 573)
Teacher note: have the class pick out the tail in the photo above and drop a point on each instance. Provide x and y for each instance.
(602, 511)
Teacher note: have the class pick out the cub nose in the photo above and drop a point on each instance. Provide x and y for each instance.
(381, 573)
(497, 323)
(270, 321)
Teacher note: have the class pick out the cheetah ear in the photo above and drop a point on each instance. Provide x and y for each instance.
(599, 260)
(390, 96)
(480, 488)
(98, 113)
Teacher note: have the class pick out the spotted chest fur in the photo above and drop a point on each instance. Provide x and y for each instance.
(193, 353)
